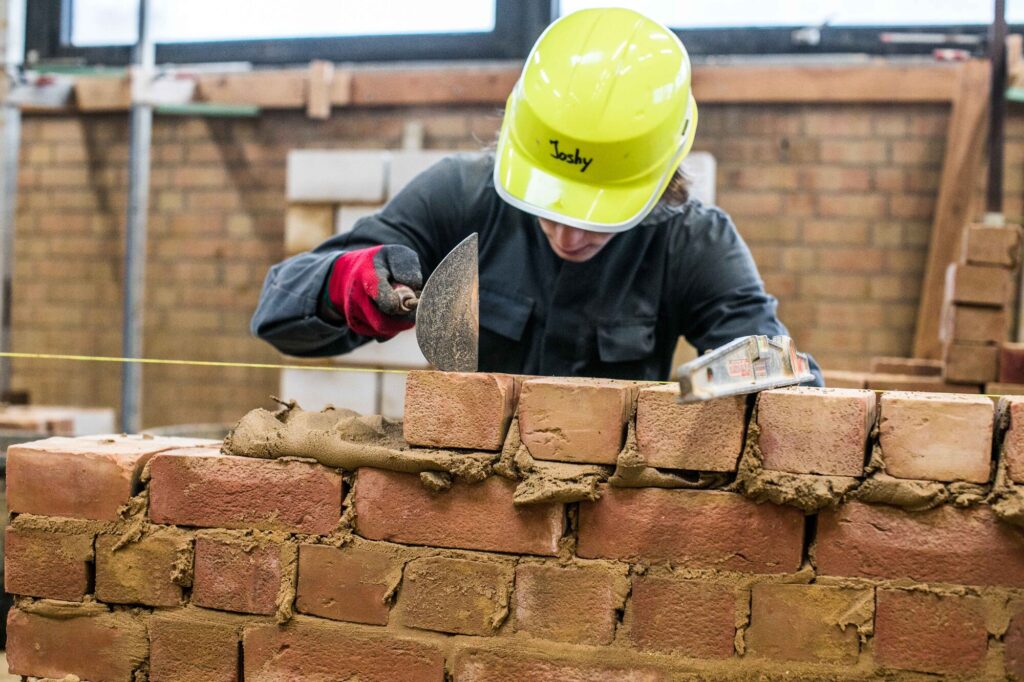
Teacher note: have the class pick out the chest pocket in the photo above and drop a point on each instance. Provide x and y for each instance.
(626, 340)
(504, 314)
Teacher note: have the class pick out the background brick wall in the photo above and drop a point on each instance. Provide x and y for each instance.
(835, 202)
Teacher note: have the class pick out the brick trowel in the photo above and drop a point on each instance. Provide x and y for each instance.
(448, 310)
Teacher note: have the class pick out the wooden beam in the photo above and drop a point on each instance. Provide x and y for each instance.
(436, 85)
(270, 89)
(964, 145)
(490, 83)
(879, 82)
(319, 88)
(103, 93)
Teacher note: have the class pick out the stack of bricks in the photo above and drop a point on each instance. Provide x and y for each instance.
(899, 374)
(139, 556)
(978, 303)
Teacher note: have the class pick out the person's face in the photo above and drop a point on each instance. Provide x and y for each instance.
(573, 244)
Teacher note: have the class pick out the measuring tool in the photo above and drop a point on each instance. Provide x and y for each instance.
(747, 365)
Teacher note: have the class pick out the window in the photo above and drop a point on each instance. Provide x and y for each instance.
(753, 27)
(97, 32)
(740, 13)
(114, 22)
(276, 32)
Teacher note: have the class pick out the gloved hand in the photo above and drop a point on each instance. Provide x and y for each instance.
(361, 287)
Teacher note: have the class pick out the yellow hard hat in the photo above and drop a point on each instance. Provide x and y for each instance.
(597, 123)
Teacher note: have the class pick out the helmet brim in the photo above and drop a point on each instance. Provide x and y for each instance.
(598, 208)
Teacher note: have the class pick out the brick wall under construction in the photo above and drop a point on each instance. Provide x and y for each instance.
(499, 535)
(835, 201)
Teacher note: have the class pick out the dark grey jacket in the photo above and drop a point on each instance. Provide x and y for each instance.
(683, 271)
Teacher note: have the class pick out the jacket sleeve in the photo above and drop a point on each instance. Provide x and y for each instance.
(426, 216)
(721, 294)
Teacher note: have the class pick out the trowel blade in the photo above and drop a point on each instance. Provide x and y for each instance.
(448, 314)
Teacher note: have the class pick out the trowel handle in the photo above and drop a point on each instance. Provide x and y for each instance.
(407, 298)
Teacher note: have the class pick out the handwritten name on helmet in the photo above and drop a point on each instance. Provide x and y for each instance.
(573, 159)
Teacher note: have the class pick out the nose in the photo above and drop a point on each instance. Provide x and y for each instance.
(569, 238)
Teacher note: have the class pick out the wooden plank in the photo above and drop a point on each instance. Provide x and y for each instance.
(463, 85)
(318, 96)
(861, 83)
(103, 93)
(341, 88)
(270, 89)
(1014, 60)
(960, 168)
(490, 83)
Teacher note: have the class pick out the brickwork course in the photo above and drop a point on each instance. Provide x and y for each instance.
(388, 561)
(835, 202)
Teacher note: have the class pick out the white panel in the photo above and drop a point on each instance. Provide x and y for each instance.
(316, 390)
(701, 168)
(61, 421)
(89, 422)
(393, 400)
(347, 215)
(401, 352)
(336, 176)
(407, 165)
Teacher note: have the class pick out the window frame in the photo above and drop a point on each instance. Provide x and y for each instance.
(518, 23)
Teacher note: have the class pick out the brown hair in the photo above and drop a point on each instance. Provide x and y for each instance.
(678, 191)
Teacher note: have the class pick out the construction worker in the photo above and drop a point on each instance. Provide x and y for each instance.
(593, 259)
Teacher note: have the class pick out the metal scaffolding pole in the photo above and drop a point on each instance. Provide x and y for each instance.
(135, 231)
(14, 54)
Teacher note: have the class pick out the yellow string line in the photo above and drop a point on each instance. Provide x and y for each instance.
(260, 365)
(194, 363)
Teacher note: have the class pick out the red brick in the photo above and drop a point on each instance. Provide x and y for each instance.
(979, 285)
(459, 409)
(398, 508)
(760, 204)
(981, 325)
(352, 583)
(85, 478)
(813, 623)
(1011, 363)
(914, 366)
(687, 617)
(908, 382)
(942, 545)
(936, 437)
(307, 648)
(695, 529)
(912, 206)
(1013, 441)
(38, 563)
(459, 596)
(988, 245)
(575, 420)
(706, 436)
(815, 430)
(1013, 643)
(89, 642)
(239, 574)
(837, 378)
(512, 663)
(573, 603)
(204, 488)
(149, 571)
(194, 645)
(930, 633)
(971, 363)
(997, 388)
(853, 151)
